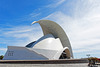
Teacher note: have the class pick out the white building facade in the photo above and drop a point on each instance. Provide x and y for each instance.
(54, 45)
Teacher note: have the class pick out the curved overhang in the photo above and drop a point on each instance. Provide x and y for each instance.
(50, 27)
(58, 54)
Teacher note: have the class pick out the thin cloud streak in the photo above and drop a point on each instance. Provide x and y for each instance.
(54, 5)
(82, 27)
(21, 35)
(3, 49)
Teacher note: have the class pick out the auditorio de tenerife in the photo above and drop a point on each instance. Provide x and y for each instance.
(54, 45)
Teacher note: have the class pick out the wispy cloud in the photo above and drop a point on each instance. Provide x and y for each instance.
(3, 49)
(29, 17)
(20, 35)
(55, 4)
(82, 26)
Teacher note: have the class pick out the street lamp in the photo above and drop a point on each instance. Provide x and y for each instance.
(88, 55)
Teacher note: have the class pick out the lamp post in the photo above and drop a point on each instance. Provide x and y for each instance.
(88, 55)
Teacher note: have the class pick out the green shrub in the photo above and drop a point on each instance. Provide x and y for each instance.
(1, 57)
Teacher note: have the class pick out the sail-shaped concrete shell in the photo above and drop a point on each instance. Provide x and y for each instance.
(53, 45)
(50, 27)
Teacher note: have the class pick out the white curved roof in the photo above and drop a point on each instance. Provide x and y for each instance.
(53, 45)
(50, 27)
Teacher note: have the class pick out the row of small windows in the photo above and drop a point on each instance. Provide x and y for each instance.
(10, 53)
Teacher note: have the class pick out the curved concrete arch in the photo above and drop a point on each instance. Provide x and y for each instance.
(67, 53)
(50, 27)
(59, 53)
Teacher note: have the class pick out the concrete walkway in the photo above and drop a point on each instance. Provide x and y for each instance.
(44, 65)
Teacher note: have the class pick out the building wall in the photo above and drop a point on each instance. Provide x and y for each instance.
(22, 53)
(44, 48)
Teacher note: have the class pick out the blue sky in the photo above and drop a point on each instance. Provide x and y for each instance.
(80, 19)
